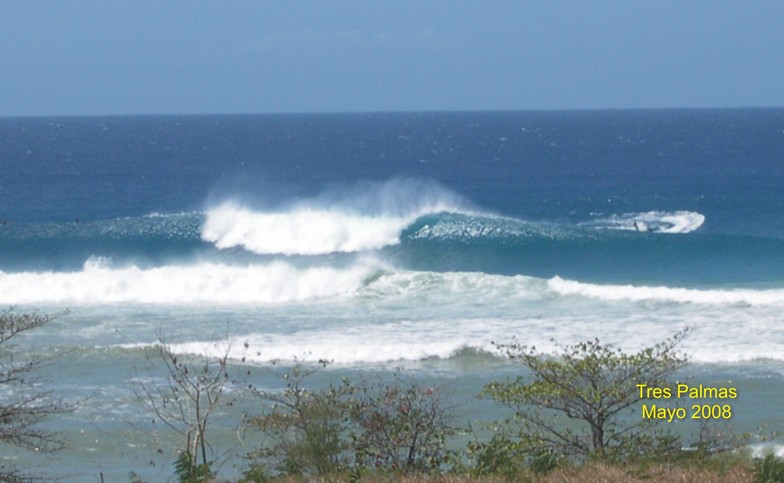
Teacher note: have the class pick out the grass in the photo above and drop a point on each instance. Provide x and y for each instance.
(740, 471)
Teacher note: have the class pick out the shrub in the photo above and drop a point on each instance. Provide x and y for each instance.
(498, 456)
(401, 427)
(309, 428)
(769, 469)
(591, 386)
(25, 406)
(389, 426)
(185, 401)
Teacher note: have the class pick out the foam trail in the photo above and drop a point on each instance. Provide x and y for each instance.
(666, 294)
(652, 221)
(348, 349)
(210, 283)
(358, 344)
(719, 335)
(363, 220)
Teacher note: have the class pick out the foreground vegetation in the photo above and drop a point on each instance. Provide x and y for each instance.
(23, 403)
(574, 417)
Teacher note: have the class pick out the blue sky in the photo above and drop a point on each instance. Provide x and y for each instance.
(152, 57)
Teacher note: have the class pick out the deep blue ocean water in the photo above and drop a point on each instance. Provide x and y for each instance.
(380, 240)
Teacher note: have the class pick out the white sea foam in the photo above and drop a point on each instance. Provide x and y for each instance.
(302, 231)
(666, 294)
(458, 292)
(763, 449)
(652, 221)
(717, 336)
(367, 312)
(353, 347)
(366, 219)
(98, 283)
(362, 343)
(367, 279)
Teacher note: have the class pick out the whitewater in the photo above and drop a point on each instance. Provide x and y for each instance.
(387, 242)
(334, 257)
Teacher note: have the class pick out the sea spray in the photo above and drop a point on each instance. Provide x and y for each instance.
(299, 232)
(364, 218)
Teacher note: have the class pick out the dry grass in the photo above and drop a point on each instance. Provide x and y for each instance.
(589, 473)
(602, 473)
(739, 472)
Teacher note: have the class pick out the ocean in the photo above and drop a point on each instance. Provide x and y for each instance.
(382, 242)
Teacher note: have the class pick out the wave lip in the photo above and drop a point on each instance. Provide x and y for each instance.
(303, 231)
(361, 221)
(483, 226)
(666, 294)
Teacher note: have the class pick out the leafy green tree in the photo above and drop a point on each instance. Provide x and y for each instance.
(308, 428)
(390, 425)
(582, 402)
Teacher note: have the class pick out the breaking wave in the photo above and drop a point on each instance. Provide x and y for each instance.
(666, 294)
(98, 283)
(308, 229)
(363, 219)
(279, 281)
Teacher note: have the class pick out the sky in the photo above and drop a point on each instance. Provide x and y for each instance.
(107, 57)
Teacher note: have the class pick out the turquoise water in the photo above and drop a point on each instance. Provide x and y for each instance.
(380, 241)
